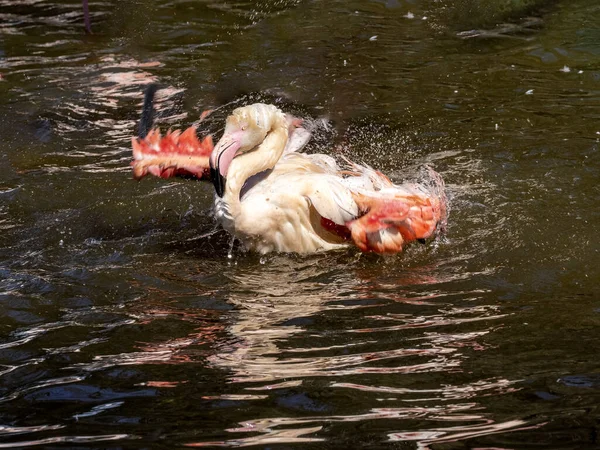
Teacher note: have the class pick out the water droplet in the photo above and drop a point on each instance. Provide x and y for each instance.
(230, 252)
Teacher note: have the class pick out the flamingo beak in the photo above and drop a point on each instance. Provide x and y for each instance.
(218, 181)
(221, 158)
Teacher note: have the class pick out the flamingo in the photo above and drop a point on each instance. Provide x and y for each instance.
(272, 197)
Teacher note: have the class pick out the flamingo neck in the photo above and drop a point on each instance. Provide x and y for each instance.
(264, 157)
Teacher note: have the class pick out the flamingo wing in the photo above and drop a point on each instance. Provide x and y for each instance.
(316, 178)
(297, 140)
(175, 154)
(362, 205)
(397, 214)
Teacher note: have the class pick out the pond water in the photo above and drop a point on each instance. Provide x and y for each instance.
(128, 320)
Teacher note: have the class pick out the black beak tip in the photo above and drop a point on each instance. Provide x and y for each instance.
(218, 181)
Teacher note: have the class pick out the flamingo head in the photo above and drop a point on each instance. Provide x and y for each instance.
(245, 129)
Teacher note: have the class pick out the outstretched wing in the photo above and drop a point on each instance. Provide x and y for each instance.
(175, 154)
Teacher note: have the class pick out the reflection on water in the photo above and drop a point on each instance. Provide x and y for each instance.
(261, 351)
(125, 324)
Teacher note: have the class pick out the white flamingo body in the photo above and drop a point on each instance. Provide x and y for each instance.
(282, 212)
(275, 199)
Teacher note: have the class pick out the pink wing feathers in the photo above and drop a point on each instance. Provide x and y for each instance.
(396, 215)
(388, 223)
(175, 154)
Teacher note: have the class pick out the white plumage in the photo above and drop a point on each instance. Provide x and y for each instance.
(273, 198)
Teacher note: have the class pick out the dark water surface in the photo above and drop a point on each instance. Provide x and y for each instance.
(127, 321)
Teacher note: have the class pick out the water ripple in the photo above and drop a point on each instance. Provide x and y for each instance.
(428, 437)
(12, 431)
(269, 434)
(43, 384)
(69, 440)
(445, 393)
(97, 410)
(101, 362)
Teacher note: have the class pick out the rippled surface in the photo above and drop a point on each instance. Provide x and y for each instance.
(128, 321)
